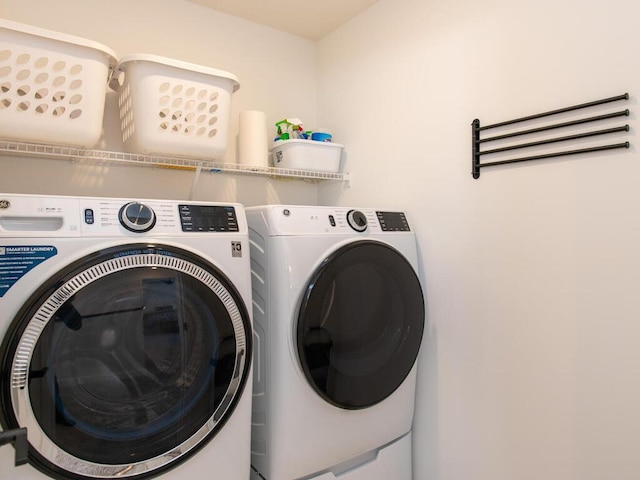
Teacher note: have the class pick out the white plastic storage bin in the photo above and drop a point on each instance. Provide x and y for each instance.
(170, 107)
(306, 155)
(52, 86)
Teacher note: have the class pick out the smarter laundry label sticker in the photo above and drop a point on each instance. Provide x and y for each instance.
(17, 260)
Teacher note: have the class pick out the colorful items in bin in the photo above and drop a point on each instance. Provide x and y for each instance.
(291, 128)
(321, 137)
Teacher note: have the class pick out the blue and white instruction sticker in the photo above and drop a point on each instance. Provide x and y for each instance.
(17, 260)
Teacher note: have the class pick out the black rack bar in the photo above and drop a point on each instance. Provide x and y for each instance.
(623, 113)
(577, 136)
(624, 96)
(476, 141)
(558, 154)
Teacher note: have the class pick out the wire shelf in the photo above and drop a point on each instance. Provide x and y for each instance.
(104, 157)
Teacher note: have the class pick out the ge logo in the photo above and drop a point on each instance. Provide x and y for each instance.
(5, 204)
(236, 249)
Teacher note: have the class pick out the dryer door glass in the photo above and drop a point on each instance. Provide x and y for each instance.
(128, 361)
(360, 324)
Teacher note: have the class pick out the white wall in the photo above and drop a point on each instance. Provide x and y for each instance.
(530, 365)
(277, 75)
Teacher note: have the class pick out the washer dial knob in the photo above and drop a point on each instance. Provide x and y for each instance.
(357, 220)
(137, 217)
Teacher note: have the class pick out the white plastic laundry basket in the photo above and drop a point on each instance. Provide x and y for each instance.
(170, 107)
(52, 86)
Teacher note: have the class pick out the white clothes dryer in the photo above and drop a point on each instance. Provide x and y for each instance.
(338, 322)
(126, 339)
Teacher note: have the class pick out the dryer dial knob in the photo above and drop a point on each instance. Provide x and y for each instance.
(357, 220)
(137, 217)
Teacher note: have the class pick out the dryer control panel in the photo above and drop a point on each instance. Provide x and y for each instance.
(294, 220)
(393, 221)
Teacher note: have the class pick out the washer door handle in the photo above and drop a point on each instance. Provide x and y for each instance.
(19, 439)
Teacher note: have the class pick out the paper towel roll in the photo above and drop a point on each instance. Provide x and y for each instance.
(253, 147)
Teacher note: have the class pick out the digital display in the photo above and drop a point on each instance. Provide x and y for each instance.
(393, 222)
(208, 218)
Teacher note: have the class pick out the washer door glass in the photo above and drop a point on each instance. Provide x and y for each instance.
(125, 363)
(360, 324)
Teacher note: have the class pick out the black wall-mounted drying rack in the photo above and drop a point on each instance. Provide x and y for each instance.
(477, 141)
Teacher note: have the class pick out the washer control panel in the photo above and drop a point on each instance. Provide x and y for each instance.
(107, 216)
(208, 218)
(62, 216)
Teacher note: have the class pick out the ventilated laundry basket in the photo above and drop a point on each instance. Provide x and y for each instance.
(52, 86)
(170, 107)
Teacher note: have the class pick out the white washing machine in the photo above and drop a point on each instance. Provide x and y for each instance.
(338, 321)
(126, 338)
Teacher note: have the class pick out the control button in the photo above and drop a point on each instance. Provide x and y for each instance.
(137, 217)
(357, 220)
(89, 218)
(332, 220)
